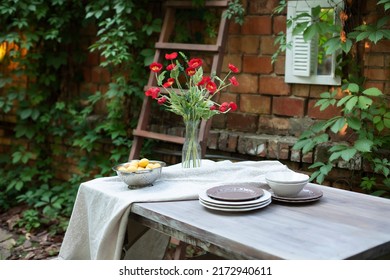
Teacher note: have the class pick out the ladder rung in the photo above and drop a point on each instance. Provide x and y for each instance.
(187, 47)
(158, 136)
(189, 4)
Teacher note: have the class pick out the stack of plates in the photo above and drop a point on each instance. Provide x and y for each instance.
(308, 194)
(235, 198)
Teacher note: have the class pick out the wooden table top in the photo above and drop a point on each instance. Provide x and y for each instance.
(341, 225)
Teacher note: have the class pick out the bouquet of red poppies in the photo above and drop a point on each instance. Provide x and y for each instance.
(193, 100)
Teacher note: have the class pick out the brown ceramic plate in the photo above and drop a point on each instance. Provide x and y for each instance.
(235, 192)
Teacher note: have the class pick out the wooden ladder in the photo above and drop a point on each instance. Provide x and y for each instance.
(162, 46)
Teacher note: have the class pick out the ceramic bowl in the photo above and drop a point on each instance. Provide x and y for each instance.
(139, 178)
(286, 184)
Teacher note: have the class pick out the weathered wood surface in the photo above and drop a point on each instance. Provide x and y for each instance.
(342, 225)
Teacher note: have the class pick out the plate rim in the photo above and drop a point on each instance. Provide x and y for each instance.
(258, 192)
(317, 196)
(266, 195)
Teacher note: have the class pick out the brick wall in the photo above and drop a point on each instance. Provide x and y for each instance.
(271, 114)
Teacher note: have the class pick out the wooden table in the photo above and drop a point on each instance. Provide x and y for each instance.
(341, 225)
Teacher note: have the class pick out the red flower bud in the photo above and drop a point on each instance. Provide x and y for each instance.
(161, 100)
(224, 107)
(233, 68)
(234, 81)
(233, 106)
(170, 67)
(213, 107)
(153, 92)
(171, 56)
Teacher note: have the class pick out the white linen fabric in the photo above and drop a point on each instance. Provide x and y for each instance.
(99, 220)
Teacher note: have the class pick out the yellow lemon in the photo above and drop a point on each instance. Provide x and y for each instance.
(143, 162)
(150, 166)
(122, 168)
(131, 168)
(156, 165)
(134, 162)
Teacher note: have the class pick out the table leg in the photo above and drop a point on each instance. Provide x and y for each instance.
(143, 243)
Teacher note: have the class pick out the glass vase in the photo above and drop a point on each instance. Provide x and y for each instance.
(191, 153)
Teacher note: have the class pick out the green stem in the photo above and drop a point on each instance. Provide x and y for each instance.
(191, 156)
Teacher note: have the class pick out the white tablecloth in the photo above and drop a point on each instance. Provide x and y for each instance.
(99, 220)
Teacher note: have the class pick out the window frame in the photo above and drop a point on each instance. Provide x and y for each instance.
(303, 76)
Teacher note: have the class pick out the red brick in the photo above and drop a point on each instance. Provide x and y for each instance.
(250, 44)
(377, 74)
(96, 74)
(279, 24)
(93, 59)
(87, 74)
(374, 60)
(233, 59)
(247, 84)
(257, 64)
(280, 65)
(300, 90)
(262, 6)
(316, 90)
(288, 106)
(242, 122)
(257, 25)
(227, 97)
(314, 112)
(234, 28)
(250, 103)
(381, 46)
(274, 125)
(379, 85)
(267, 45)
(273, 85)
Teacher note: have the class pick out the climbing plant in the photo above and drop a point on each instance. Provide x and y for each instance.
(57, 124)
(365, 111)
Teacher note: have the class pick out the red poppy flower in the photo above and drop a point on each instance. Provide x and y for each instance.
(171, 56)
(224, 107)
(170, 67)
(233, 106)
(204, 81)
(211, 86)
(169, 82)
(190, 71)
(162, 100)
(153, 92)
(155, 67)
(195, 63)
(233, 68)
(234, 81)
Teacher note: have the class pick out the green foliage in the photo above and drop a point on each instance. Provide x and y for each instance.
(58, 126)
(364, 110)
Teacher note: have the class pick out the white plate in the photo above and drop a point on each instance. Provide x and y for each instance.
(204, 197)
(233, 206)
(226, 209)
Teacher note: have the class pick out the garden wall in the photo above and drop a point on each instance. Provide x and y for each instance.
(271, 114)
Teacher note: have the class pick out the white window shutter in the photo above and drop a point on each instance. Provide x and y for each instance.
(302, 57)
(302, 61)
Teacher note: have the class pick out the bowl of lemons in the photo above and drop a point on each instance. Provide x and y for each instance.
(139, 173)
